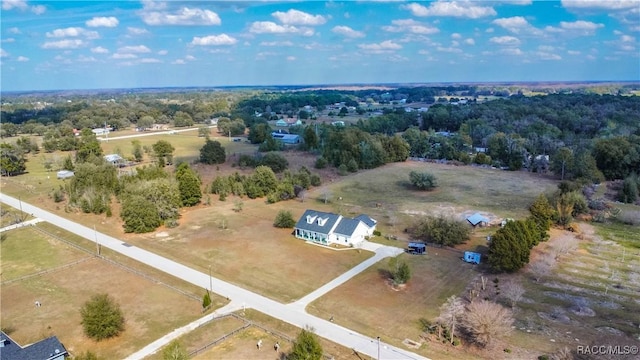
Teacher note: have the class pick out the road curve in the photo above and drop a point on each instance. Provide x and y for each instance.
(292, 313)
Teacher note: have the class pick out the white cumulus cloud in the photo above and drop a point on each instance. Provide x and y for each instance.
(505, 40)
(3, 53)
(124, 56)
(469, 41)
(22, 5)
(99, 50)
(600, 4)
(517, 25)
(214, 40)
(155, 15)
(276, 43)
(138, 49)
(347, 32)
(269, 27)
(22, 58)
(137, 31)
(461, 9)
(381, 47)
(410, 26)
(580, 25)
(296, 17)
(72, 32)
(64, 44)
(103, 21)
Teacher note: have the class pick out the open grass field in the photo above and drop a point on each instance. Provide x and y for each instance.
(385, 193)
(38, 267)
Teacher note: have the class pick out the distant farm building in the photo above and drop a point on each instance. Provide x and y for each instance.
(328, 228)
(287, 139)
(115, 159)
(65, 174)
(417, 248)
(477, 220)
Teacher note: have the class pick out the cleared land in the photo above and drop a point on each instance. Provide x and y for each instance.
(63, 282)
(370, 305)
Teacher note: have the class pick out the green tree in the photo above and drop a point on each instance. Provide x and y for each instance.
(442, 230)
(67, 164)
(629, 191)
(163, 151)
(284, 219)
(562, 162)
(423, 180)
(189, 185)
(204, 131)
(139, 215)
(175, 351)
(542, 213)
(399, 271)
(12, 161)
(306, 347)
(137, 150)
(102, 317)
(145, 122)
(259, 132)
(88, 147)
(275, 161)
(212, 153)
(182, 119)
(510, 247)
(310, 138)
(206, 300)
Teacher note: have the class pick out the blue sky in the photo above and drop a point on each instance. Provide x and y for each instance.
(50, 45)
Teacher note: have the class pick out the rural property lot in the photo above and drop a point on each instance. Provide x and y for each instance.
(250, 252)
(370, 305)
(150, 309)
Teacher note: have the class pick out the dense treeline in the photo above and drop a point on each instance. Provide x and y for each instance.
(576, 135)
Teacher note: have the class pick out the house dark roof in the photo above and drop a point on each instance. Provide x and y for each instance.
(417, 245)
(49, 348)
(346, 226)
(317, 221)
(367, 220)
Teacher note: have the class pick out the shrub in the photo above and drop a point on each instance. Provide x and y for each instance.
(284, 219)
(321, 163)
(102, 317)
(352, 166)
(315, 180)
(342, 170)
(423, 181)
(377, 233)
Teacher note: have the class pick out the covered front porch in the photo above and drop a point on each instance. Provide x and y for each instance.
(312, 236)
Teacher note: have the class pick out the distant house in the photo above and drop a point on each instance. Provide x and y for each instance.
(48, 349)
(281, 123)
(477, 219)
(65, 174)
(418, 248)
(328, 228)
(338, 123)
(101, 131)
(287, 139)
(114, 159)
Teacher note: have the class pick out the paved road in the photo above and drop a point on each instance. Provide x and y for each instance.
(293, 313)
(146, 133)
